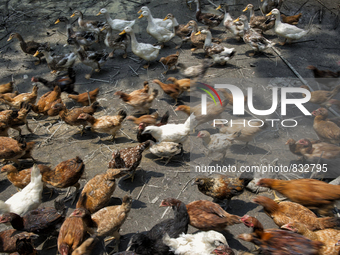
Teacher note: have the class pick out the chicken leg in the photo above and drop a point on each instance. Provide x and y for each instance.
(278, 199)
(115, 236)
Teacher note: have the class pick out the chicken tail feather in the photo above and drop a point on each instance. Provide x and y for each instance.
(329, 222)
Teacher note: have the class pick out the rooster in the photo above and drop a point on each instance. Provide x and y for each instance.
(222, 187)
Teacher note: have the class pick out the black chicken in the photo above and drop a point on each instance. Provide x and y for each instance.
(39, 220)
(151, 242)
(65, 81)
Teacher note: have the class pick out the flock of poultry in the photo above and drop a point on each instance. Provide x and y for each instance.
(302, 231)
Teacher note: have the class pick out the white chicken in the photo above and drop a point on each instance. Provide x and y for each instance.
(217, 144)
(166, 150)
(29, 198)
(176, 133)
(202, 243)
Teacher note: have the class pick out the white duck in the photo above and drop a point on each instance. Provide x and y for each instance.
(160, 33)
(235, 28)
(160, 22)
(217, 52)
(289, 32)
(145, 51)
(116, 24)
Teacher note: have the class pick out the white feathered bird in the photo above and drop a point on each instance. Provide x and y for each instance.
(176, 133)
(202, 243)
(29, 198)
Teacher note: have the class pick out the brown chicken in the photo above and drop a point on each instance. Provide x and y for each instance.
(206, 215)
(286, 212)
(40, 220)
(19, 99)
(6, 118)
(12, 95)
(184, 84)
(319, 150)
(71, 116)
(145, 89)
(97, 192)
(147, 119)
(293, 20)
(65, 175)
(145, 137)
(21, 119)
(6, 88)
(170, 61)
(326, 77)
(47, 101)
(73, 231)
(298, 148)
(86, 247)
(277, 241)
(311, 193)
(22, 178)
(213, 111)
(329, 237)
(84, 98)
(105, 124)
(332, 102)
(8, 239)
(12, 150)
(173, 90)
(221, 187)
(111, 218)
(326, 130)
(141, 101)
(129, 158)
(321, 96)
(14, 119)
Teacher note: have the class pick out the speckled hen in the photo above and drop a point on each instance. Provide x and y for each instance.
(129, 158)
